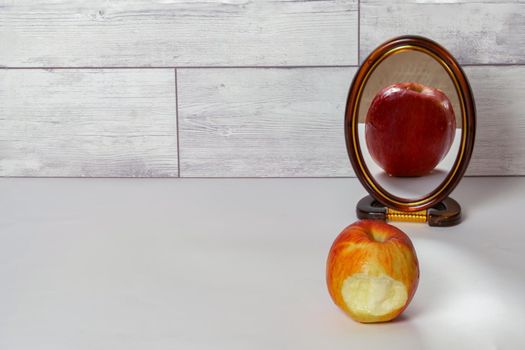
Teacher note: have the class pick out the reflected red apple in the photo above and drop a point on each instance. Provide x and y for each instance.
(409, 128)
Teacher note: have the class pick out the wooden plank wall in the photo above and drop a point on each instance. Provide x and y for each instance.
(239, 88)
(88, 122)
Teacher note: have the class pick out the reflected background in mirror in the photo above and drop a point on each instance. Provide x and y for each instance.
(419, 67)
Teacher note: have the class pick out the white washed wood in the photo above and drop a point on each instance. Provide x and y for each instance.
(500, 138)
(483, 31)
(289, 122)
(173, 33)
(88, 123)
(263, 122)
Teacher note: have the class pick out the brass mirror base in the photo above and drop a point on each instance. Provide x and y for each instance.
(445, 213)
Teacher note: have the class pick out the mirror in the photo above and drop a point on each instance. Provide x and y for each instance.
(402, 129)
(409, 126)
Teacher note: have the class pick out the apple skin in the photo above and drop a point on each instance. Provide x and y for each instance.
(373, 260)
(409, 128)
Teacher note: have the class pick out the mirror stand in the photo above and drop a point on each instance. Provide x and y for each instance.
(396, 159)
(444, 213)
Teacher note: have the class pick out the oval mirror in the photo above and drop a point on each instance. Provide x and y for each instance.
(410, 126)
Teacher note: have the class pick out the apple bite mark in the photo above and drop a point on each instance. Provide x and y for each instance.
(366, 295)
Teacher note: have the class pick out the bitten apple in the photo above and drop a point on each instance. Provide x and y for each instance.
(372, 271)
(409, 128)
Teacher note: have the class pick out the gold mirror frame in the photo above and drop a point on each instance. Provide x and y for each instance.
(468, 117)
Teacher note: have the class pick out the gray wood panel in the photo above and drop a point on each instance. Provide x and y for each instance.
(88, 123)
(289, 122)
(263, 122)
(500, 102)
(483, 31)
(102, 33)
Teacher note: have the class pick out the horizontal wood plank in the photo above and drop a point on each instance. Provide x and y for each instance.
(263, 122)
(289, 122)
(116, 123)
(100, 33)
(484, 31)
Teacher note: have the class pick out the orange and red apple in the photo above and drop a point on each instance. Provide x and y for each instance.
(409, 128)
(372, 271)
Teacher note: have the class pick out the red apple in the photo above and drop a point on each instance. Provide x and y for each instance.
(372, 271)
(409, 128)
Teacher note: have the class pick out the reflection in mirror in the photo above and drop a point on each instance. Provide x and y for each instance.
(409, 124)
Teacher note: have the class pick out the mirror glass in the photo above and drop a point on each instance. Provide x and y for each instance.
(410, 124)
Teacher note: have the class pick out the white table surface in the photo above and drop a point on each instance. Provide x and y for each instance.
(239, 264)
